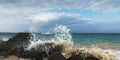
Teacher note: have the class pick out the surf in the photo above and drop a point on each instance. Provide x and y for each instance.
(63, 39)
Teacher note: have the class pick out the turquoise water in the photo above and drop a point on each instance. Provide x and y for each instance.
(90, 39)
(83, 39)
(6, 36)
(109, 43)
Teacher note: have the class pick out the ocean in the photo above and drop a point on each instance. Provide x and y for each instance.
(82, 39)
(105, 46)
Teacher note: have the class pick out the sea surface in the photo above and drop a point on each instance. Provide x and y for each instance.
(105, 46)
(82, 39)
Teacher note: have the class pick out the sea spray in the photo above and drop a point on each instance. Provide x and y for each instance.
(4, 39)
(63, 37)
(32, 38)
(94, 51)
(101, 54)
(63, 40)
(62, 33)
(117, 52)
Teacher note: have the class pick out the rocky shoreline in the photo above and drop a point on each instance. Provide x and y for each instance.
(16, 46)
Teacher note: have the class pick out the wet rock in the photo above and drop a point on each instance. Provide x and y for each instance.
(91, 58)
(82, 57)
(56, 56)
(37, 55)
(20, 40)
(75, 57)
(17, 44)
(40, 51)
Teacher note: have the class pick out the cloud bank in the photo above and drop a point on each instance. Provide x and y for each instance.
(25, 6)
(19, 13)
(48, 20)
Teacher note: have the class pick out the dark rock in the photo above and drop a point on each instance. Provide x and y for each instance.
(75, 57)
(37, 55)
(82, 57)
(56, 56)
(91, 58)
(18, 42)
(41, 51)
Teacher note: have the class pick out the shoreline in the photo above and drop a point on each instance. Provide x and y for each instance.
(24, 45)
(12, 57)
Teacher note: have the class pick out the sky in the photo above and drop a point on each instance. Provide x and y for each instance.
(80, 16)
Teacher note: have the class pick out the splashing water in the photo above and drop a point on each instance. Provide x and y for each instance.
(62, 33)
(4, 39)
(63, 38)
(32, 38)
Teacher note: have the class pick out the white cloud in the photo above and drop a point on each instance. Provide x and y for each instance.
(41, 5)
(106, 6)
(7, 10)
(50, 16)
(44, 17)
(47, 20)
(17, 11)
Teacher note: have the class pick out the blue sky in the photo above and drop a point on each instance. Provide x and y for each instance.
(80, 16)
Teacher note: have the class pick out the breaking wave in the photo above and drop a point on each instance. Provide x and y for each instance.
(63, 39)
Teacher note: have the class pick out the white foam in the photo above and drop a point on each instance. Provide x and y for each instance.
(64, 38)
(117, 52)
(4, 39)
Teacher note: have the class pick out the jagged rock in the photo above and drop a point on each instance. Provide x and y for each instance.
(56, 56)
(37, 55)
(75, 57)
(17, 44)
(40, 51)
(82, 56)
(20, 40)
(91, 58)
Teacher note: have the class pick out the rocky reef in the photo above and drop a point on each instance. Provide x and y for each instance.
(18, 44)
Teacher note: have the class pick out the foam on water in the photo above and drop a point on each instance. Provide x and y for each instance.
(117, 54)
(63, 38)
(4, 39)
(101, 54)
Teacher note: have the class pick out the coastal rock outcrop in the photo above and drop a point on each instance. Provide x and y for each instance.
(17, 46)
(56, 56)
(79, 57)
(91, 58)
(75, 57)
(17, 42)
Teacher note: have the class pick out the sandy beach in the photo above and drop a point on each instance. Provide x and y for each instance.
(12, 58)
